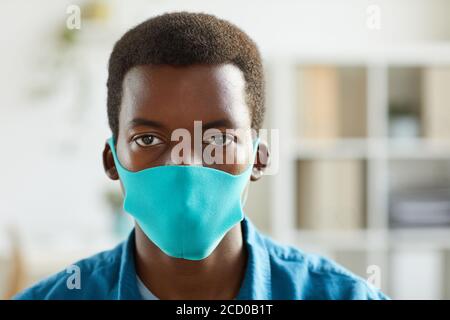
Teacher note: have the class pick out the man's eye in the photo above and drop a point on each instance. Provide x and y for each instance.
(147, 141)
(220, 139)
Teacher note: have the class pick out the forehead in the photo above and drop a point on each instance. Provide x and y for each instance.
(178, 95)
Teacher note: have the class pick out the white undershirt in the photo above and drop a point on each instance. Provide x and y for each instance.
(146, 294)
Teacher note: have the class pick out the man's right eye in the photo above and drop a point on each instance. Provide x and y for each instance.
(147, 140)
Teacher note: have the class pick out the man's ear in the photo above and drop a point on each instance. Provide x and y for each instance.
(108, 163)
(262, 161)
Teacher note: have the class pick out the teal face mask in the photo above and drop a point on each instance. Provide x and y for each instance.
(184, 210)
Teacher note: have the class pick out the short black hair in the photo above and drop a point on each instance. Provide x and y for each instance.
(185, 38)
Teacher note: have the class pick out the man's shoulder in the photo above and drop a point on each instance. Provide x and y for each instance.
(89, 278)
(312, 276)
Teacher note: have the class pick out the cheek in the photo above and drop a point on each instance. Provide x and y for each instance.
(233, 159)
(143, 158)
(135, 158)
(234, 169)
(240, 168)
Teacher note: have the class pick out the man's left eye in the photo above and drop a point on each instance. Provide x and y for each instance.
(147, 140)
(220, 139)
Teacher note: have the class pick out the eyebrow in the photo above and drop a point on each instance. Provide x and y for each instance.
(145, 122)
(218, 123)
(152, 123)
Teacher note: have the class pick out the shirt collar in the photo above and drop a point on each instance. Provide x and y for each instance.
(255, 286)
(128, 289)
(257, 279)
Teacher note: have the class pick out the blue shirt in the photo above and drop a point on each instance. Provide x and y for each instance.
(273, 271)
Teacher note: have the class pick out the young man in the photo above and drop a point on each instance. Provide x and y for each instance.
(191, 239)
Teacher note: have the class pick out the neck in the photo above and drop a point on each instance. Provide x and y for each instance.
(219, 276)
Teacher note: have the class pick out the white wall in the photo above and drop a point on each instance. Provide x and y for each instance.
(52, 180)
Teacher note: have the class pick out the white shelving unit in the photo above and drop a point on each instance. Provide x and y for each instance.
(377, 241)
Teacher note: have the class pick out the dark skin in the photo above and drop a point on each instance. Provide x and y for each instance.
(166, 98)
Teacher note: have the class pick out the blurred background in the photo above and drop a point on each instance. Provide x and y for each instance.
(359, 89)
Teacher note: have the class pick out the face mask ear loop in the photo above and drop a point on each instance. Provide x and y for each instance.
(114, 153)
(113, 147)
(245, 195)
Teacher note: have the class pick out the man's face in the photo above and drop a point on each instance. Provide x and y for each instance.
(157, 100)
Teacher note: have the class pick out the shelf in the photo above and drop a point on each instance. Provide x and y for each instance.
(392, 160)
(345, 239)
(374, 240)
(406, 55)
(331, 148)
(418, 149)
(395, 148)
(420, 238)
